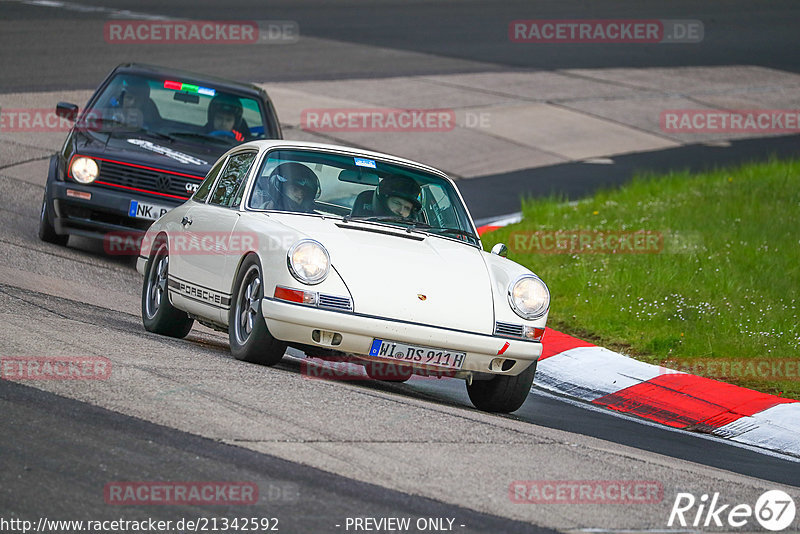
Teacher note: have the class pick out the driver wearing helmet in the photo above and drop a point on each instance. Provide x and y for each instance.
(397, 196)
(225, 117)
(289, 187)
(133, 106)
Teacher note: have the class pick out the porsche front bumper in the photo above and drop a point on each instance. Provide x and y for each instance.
(296, 323)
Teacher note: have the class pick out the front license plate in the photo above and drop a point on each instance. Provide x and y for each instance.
(145, 210)
(394, 350)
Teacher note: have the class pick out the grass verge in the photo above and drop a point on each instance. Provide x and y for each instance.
(700, 270)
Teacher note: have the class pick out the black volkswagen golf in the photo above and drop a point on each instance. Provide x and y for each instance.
(142, 145)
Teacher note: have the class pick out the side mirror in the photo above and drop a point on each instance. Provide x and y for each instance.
(500, 249)
(67, 111)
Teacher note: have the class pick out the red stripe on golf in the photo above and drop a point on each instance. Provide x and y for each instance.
(555, 342)
(683, 401)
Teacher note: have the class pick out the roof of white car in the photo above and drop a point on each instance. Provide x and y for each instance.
(265, 144)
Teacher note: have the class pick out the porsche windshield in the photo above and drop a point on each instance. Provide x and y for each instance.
(361, 189)
(173, 109)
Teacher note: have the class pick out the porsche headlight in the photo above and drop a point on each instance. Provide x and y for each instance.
(84, 170)
(309, 262)
(529, 297)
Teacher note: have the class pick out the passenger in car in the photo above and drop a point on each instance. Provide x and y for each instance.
(289, 187)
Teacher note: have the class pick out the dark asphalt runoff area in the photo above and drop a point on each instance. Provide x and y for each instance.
(58, 454)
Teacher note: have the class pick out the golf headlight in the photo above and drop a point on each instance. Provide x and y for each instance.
(84, 170)
(529, 297)
(309, 262)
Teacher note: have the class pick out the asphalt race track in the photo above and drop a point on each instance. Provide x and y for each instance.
(321, 452)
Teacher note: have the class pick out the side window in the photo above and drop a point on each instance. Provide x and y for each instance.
(232, 178)
(202, 191)
(237, 197)
(438, 208)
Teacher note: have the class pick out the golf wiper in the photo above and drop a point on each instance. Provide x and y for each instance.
(158, 135)
(99, 124)
(199, 135)
(218, 139)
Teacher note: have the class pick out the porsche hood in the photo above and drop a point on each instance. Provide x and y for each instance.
(408, 276)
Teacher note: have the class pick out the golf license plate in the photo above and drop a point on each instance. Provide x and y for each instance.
(397, 351)
(145, 210)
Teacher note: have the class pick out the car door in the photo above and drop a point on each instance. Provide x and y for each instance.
(206, 240)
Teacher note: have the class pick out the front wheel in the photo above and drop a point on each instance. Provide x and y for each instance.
(249, 337)
(158, 314)
(503, 393)
(47, 232)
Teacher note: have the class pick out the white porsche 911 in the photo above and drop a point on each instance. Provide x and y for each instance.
(343, 252)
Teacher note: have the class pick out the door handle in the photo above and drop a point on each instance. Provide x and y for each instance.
(186, 221)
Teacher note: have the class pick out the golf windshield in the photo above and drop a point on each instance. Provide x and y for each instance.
(175, 109)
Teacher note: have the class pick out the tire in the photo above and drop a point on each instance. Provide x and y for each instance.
(158, 314)
(502, 394)
(249, 337)
(388, 372)
(47, 232)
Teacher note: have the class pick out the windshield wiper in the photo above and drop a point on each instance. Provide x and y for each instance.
(93, 123)
(381, 218)
(204, 137)
(125, 129)
(111, 125)
(156, 134)
(457, 231)
(412, 225)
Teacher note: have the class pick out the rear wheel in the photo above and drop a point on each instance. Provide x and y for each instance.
(158, 314)
(503, 393)
(47, 232)
(249, 337)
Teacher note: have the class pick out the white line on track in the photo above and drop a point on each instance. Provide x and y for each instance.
(82, 8)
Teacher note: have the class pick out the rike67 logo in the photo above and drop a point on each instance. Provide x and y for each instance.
(774, 510)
